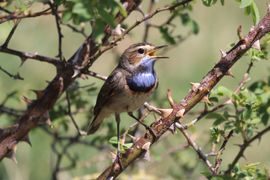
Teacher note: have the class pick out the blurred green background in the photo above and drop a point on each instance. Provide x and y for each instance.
(189, 62)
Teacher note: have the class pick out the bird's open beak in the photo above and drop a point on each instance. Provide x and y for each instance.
(152, 53)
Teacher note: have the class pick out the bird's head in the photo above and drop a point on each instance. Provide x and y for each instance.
(140, 55)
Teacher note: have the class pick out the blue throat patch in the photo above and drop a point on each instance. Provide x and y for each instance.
(144, 79)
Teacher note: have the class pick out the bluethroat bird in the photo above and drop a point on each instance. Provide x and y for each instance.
(128, 86)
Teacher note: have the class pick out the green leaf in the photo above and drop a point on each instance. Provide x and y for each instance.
(122, 9)
(187, 21)
(195, 27)
(166, 35)
(185, 18)
(255, 120)
(67, 15)
(218, 118)
(58, 2)
(208, 3)
(107, 17)
(113, 140)
(245, 3)
(247, 113)
(128, 145)
(223, 91)
(255, 13)
(81, 10)
(222, 2)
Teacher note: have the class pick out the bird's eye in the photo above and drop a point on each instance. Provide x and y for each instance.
(141, 51)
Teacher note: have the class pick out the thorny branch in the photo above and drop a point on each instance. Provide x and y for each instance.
(193, 97)
(37, 110)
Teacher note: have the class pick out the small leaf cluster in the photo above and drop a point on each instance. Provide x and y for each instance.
(98, 12)
(249, 171)
(78, 104)
(251, 9)
(167, 29)
(249, 109)
(209, 3)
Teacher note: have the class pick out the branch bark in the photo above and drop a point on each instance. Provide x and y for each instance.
(193, 97)
(37, 110)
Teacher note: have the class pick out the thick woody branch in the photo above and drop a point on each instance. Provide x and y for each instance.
(192, 98)
(37, 110)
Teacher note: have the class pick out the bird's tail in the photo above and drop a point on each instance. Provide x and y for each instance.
(96, 122)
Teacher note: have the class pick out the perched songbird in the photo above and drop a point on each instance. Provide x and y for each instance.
(129, 85)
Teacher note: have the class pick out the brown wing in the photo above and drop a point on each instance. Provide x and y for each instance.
(112, 86)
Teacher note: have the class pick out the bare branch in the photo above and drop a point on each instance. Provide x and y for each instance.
(243, 147)
(13, 76)
(19, 15)
(71, 116)
(196, 148)
(5, 45)
(147, 25)
(221, 149)
(75, 29)
(29, 55)
(96, 75)
(54, 8)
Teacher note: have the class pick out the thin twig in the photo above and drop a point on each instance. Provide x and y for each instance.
(54, 8)
(193, 144)
(147, 25)
(5, 44)
(21, 15)
(218, 160)
(29, 55)
(13, 76)
(5, 10)
(96, 75)
(75, 29)
(71, 116)
(243, 147)
(138, 22)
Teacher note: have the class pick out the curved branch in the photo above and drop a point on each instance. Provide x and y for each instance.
(37, 110)
(192, 98)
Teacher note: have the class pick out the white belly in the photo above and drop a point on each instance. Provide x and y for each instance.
(127, 102)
